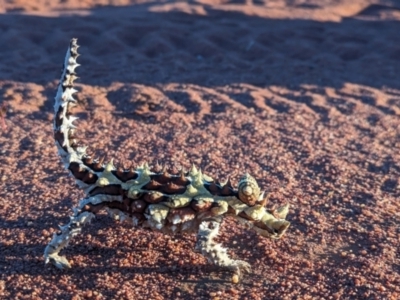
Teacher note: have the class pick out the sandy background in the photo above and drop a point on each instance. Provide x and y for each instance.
(304, 95)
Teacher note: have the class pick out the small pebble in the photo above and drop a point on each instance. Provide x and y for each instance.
(235, 278)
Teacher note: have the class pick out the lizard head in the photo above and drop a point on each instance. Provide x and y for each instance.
(268, 223)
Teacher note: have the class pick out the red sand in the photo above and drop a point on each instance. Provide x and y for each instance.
(304, 95)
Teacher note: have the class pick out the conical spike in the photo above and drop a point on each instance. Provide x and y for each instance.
(110, 166)
(174, 170)
(71, 119)
(191, 190)
(214, 189)
(131, 171)
(261, 197)
(146, 169)
(165, 177)
(193, 170)
(98, 164)
(156, 168)
(180, 179)
(223, 183)
(198, 179)
(261, 200)
(227, 188)
(120, 171)
(282, 211)
(182, 176)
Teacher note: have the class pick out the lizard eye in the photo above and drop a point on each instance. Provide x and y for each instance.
(248, 190)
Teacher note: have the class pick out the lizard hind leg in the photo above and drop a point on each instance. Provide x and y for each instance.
(61, 239)
(213, 251)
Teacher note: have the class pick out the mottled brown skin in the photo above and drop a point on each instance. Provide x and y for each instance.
(153, 198)
(163, 183)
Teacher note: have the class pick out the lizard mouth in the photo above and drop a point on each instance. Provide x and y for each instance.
(278, 229)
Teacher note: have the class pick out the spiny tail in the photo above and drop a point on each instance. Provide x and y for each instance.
(74, 156)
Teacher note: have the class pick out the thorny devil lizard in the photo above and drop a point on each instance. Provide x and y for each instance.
(188, 202)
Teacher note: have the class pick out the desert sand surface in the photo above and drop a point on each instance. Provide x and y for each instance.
(304, 95)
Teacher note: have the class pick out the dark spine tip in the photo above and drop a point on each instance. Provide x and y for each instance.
(180, 179)
(152, 185)
(171, 188)
(82, 174)
(87, 160)
(124, 175)
(157, 168)
(153, 197)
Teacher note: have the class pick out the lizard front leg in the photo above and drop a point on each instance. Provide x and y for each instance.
(213, 251)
